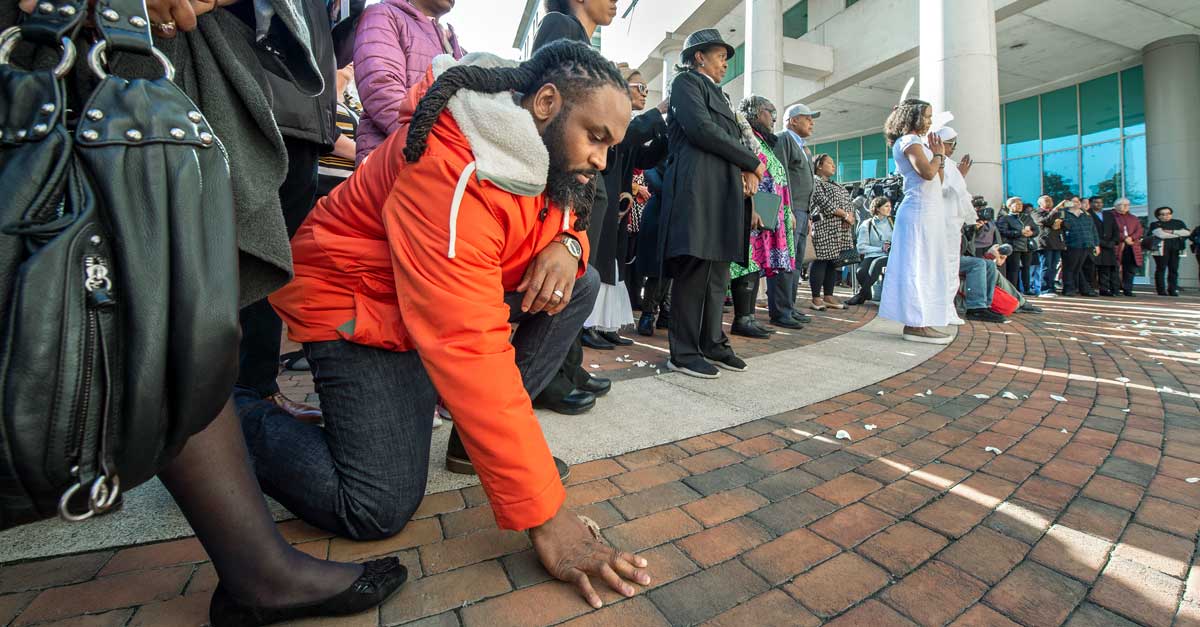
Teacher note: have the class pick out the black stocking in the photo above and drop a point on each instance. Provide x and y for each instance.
(212, 482)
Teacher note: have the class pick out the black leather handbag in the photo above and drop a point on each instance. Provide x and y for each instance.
(118, 264)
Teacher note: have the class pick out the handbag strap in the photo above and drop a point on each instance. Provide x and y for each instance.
(53, 20)
(125, 25)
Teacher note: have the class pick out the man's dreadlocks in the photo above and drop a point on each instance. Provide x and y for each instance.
(573, 67)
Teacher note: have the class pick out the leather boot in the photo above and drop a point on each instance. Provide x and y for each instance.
(664, 317)
(743, 304)
(645, 324)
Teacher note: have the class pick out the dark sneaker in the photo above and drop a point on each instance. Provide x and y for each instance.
(459, 463)
(732, 362)
(984, 315)
(694, 368)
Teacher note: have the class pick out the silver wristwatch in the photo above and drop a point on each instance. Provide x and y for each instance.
(572, 245)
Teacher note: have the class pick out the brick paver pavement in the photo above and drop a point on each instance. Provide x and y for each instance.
(1037, 473)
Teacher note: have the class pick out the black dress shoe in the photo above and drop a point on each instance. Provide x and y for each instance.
(646, 325)
(857, 299)
(1130, 294)
(801, 318)
(664, 320)
(789, 323)
(574, 403)
(592, 339)
(745, 327)
(762, 327)
(1173, 293)
(599, 386)
(379, 580)
(616, 340)
(459, 463)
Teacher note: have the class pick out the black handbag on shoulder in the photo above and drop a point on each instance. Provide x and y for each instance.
(118, 264)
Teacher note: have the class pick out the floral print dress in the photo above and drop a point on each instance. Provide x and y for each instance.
(771, 252)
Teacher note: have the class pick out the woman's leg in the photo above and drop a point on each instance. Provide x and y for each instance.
(212, 481)
(816, 278)
(1026, 273)
(1173, 273)
(1160, 274)
(831, 275)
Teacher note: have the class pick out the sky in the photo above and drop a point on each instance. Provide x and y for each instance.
(487, 25)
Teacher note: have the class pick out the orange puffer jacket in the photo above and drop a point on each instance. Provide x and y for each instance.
(418, 256)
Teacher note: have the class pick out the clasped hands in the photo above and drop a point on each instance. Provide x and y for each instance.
(751, 180)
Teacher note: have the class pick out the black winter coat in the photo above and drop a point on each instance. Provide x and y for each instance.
(644, 146)
(648, 263)
(1011, 226)
(1106, 227)
(704, 212)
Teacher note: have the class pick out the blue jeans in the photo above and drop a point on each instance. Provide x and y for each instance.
(979, 282)
(363, 475)
(1050, 261)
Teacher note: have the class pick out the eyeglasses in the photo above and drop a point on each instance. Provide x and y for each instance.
(640, 87)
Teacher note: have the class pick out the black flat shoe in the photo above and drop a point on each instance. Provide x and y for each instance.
(459, 463)
(645, 325)
(592, 339)
(663, 321)
(616, 340)
(598, 386)
(574, 403)
(857, 299)
(380, 579)
(801, 318)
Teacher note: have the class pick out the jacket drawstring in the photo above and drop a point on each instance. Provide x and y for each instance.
(459, 191)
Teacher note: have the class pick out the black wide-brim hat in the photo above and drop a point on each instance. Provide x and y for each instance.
(701, 40)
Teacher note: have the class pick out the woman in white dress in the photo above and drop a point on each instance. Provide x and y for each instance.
(917, 291)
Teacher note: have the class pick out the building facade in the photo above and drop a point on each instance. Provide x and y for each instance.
(1095, 97)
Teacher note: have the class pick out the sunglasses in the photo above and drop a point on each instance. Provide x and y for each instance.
(640, 87)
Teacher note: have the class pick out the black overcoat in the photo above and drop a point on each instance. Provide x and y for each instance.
(1106, 228)
(704, 213)
(644, 146)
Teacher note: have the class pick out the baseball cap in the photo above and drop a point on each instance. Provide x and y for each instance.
(800, 109)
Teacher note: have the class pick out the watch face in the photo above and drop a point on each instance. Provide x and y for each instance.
(574, 247)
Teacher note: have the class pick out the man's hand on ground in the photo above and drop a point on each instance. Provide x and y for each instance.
(548, 280)
(570, 553)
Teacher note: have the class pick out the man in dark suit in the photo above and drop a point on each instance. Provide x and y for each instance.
(791, 151)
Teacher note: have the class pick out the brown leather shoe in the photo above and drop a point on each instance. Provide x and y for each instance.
(299, 411)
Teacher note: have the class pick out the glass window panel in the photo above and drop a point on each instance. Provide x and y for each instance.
(891, 164)
(874, 158)
(850, 3)
(736, 66)
(827, 148)
(1102, 171)
(1060, 124)
(1021, 128)
(1135, 170)
(795, 20)
(849, 160)
(1060, 175)
(1133, 100)
(1100, 109)
(1024, 178)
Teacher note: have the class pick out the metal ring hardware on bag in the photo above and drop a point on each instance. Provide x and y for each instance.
(96, 61)
(10, 37)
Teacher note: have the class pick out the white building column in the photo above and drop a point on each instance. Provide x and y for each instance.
(764, 51)
(670, 58)
(959, 74)
(1172, 71)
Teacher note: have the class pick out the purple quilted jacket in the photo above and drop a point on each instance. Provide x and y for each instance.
(394, 47)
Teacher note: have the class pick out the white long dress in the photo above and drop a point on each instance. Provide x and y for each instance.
(917, 291)
(959, 212)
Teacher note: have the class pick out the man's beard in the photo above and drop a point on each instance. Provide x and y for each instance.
(561, 185)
